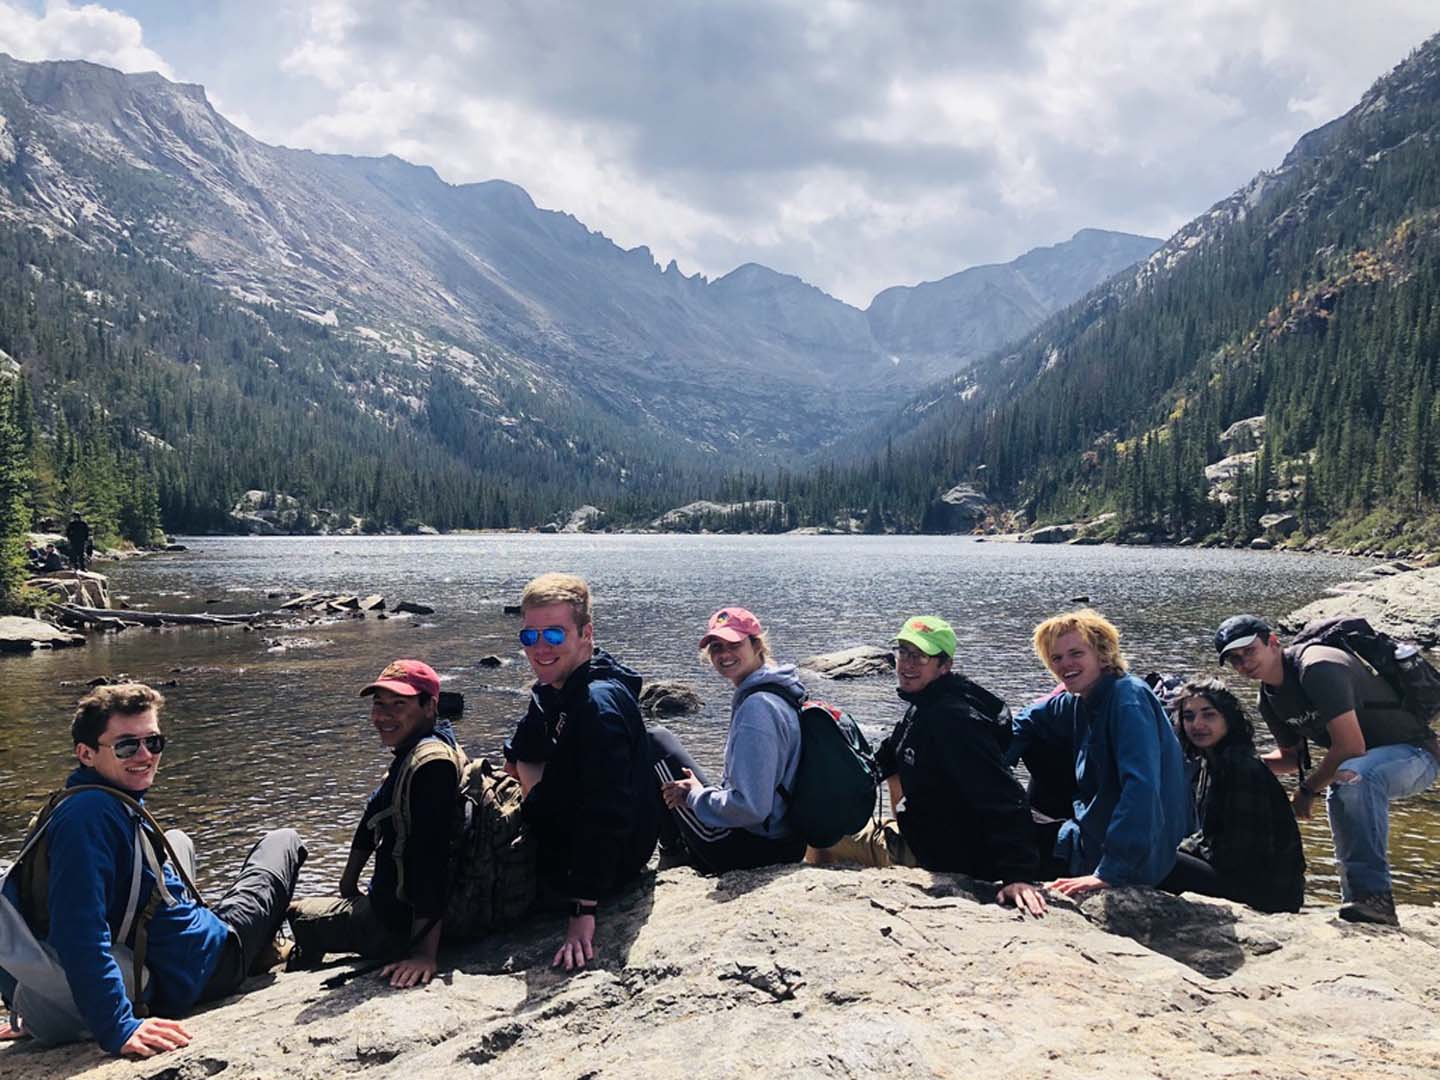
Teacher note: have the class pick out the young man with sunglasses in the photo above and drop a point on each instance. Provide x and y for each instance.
(1376, 751)
(583, 758)
(193, 953)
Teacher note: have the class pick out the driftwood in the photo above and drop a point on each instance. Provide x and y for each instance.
(108, 617)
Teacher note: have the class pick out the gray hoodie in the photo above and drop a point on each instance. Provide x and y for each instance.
(762, 752)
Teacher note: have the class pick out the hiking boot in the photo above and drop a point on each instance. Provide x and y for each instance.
(1376, 908)
(274, 954)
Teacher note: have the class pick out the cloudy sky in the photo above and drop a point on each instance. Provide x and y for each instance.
(857, 143)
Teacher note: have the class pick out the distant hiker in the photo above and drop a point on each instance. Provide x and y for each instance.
(34, 557)
(1376, 751)
(77, 538)
(1132, 805)
(740, 822)
(957, 807)
(91, 887)
(1247, 847)
(582, 755)
(53, 560)
(407, 826)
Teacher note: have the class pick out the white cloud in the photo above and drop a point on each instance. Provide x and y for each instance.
(65, 31)
(857, 143)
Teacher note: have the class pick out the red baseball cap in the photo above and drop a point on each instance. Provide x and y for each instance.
(408, 677)
(731, 624)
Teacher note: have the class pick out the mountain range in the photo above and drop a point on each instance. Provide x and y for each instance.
(503, 297)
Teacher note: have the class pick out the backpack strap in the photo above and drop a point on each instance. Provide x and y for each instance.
(428, 749)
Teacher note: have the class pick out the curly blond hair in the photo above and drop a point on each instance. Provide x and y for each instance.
(1097, 630)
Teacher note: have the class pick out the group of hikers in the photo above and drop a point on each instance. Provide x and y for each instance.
(1124, 789)
(79, 547)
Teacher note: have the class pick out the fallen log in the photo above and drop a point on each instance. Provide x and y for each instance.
(103, 616)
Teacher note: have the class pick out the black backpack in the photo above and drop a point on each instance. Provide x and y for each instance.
(1401, 664)
(835, 783)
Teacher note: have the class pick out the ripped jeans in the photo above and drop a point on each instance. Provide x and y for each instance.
(1359, 810)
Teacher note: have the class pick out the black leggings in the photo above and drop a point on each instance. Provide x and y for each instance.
(1195, 875)
(709, 849)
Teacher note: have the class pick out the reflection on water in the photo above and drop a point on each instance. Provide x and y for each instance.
(264, 736)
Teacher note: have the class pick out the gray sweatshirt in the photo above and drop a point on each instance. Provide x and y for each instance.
(762, 752)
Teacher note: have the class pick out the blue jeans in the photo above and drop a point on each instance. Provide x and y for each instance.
(1359, 810)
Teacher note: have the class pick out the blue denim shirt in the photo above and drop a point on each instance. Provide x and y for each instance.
(1132, 803)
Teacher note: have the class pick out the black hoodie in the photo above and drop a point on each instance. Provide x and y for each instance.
(595, 814)
(963, 810)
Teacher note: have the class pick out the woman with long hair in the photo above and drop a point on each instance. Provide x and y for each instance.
(1248, 846)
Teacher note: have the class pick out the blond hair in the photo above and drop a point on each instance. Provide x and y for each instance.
(1101, 634)
(559, 589)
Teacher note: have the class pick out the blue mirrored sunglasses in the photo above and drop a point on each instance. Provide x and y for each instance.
(553, 635)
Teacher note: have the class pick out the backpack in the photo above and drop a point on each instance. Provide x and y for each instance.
(1413, 678)
(492, 870)
(833, 794)
(492, 860)
(42, 999)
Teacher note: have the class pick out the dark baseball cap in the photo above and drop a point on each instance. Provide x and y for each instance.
(1238, 631)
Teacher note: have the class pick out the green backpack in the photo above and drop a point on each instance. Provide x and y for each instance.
(492, 860)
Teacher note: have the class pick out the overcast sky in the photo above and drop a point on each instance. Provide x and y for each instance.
(857, 144)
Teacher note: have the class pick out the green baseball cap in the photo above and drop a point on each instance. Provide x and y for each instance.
(928, 633)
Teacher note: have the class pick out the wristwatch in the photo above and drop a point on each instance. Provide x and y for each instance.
(580, 907)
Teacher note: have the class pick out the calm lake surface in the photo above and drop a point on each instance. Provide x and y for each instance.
(264, 736)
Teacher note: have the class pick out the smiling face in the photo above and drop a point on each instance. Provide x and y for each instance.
(1204, 724)
(1074, 661)
(1262, 659)
(553, 664)
(915, 670)
(133, 774)
(735, 660)
(397, 717)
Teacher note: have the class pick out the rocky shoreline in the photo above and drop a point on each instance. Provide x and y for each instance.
(811, 971)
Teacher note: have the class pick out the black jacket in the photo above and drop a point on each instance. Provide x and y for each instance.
(963, 810)
(427, 848)
(1247, 829)
(596, 812)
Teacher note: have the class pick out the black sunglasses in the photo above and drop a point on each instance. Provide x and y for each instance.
(129, 745)
(554, 635)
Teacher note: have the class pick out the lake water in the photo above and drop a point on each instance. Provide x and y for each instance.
(263, 736)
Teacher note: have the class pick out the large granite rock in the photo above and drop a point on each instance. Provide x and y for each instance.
(18, 634)
(1405, 605)
(1052, 534)
(84, 588)
(856, 663)
(664, 698)
(959, 510)
(807, 971)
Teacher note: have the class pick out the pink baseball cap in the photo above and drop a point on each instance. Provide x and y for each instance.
(731, 624)
(408, 677)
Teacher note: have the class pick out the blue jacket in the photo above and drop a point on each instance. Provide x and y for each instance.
(92, 851)
(762, 752)
(1133, 803)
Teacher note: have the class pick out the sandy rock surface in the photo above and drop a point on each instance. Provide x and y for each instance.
(808, 971)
